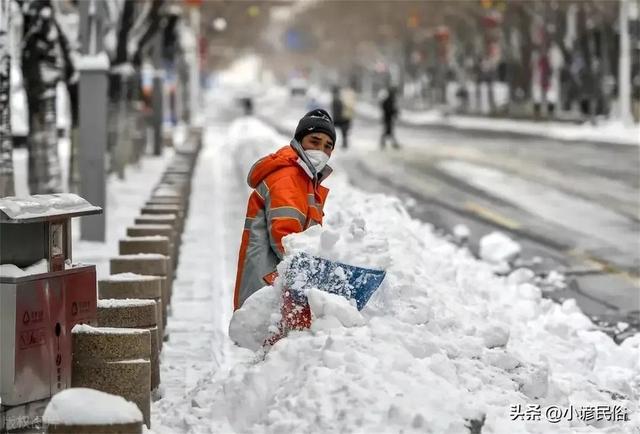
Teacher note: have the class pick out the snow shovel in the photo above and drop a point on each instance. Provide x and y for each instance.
(306, 271)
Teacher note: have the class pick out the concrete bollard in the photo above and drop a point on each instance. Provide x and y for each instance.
(154, 243)
(148, 244)
(157, 229)
(158, 219)
(149, 264)
(165, 209)
(130, 285)
(148, 230)
(163, 190)
(82, 410)
(177, 182)
(138, 314)
(114, 360)
(163, 200)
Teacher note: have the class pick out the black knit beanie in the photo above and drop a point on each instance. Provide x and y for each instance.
(316, 121)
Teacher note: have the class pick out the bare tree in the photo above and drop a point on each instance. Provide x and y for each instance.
(42, 69)
(6, 143)
(67, 25)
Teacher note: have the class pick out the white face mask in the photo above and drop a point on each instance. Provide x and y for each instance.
(318, 158)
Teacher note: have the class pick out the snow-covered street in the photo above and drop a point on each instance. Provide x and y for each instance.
(444, 344)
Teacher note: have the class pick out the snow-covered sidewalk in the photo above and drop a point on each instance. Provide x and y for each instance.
(444, 345)
(613, 132)
(124, 199)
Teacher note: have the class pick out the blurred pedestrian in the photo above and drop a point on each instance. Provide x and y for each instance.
(554, 91)
(389, 115)
(287, 198)
(342, 111)
(247, 105)
(348, 108)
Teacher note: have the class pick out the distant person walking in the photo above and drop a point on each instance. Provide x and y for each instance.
(342, 107)
(389, 115)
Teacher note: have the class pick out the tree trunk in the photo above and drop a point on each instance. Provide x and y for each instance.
(42, 71)
(6, 142)
(71, 81)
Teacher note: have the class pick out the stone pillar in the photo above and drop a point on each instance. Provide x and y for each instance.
(130, 285)
(159, 219)
(162, 230)
(149, 264)
(164, 200)
(138, 314)
(179, 182)
(165, 209)
(114, 360)
(150, 244)
(158, 244)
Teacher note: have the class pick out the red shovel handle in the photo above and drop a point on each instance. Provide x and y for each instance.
(296, 315)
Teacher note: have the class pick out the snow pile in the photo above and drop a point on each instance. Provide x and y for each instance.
(331, 310)
(42, 266)
(444, 343)
(11, 270)
(83, 406)
(257, 319)
(43, 205)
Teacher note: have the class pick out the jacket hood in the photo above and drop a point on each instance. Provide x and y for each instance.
(284, 157)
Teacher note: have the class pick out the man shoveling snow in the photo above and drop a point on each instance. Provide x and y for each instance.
(287, 198)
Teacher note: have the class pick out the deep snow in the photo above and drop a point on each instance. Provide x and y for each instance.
(442, 345)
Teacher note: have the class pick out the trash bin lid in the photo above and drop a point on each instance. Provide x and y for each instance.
(44, 207)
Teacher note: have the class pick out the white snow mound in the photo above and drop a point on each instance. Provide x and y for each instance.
(498, 248)
(331, 310)
(83, 406)
(257, 319)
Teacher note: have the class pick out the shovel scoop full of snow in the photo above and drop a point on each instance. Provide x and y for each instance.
(305, 271)
(354, 283)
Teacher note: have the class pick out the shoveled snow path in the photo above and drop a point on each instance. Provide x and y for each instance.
(201, 305)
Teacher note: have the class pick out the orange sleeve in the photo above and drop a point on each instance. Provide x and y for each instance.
(285, 208)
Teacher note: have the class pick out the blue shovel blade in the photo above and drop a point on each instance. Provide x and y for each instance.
(357, 283)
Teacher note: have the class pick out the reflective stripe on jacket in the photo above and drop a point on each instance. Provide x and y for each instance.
(287, 198)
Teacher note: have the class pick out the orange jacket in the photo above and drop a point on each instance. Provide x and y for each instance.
(287, 198)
